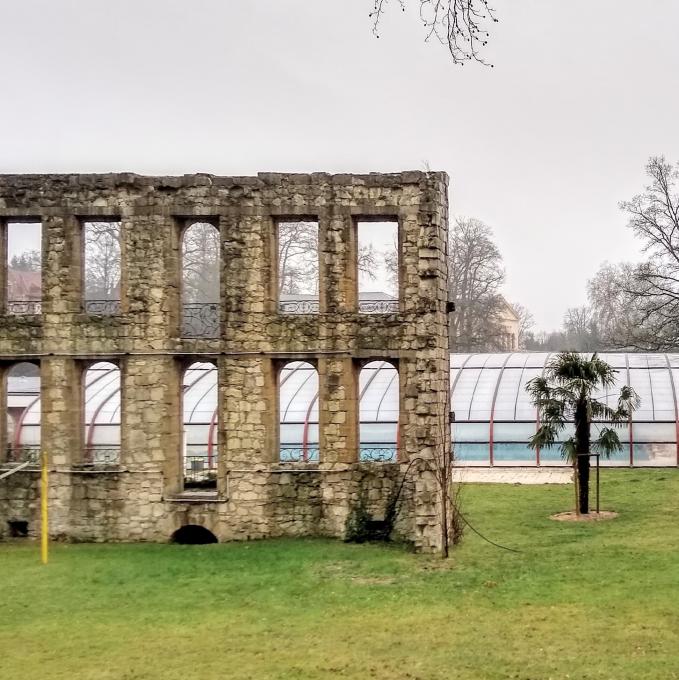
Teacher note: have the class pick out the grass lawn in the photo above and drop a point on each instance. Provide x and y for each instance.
(579, 601)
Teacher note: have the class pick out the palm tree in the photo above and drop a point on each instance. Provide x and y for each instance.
(563, 394)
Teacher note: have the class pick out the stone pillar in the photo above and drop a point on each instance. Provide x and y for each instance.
(249, 399)
(338, 410)
(3, 413)
(151, 419)
(61, 419)
(338, 270)
(153, 298)
(424, 371)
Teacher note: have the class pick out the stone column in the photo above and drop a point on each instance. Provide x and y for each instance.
(338, 410)
(151, 419)
(424, 371)
(338, 268)
(61, 420)
(249, 401)
(3, 413)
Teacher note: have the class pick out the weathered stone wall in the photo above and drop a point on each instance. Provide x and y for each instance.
(142, 498)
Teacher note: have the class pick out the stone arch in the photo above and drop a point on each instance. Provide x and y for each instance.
(193, 534)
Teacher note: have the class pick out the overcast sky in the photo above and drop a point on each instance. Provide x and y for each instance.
(542, 147)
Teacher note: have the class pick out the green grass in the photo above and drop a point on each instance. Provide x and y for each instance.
(579, 601)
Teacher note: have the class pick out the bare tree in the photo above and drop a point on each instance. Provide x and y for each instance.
(476, 273)
(200, 263)
(653, 289)
(526, 323)
(102, 261)
(459, 25)
(298, 258)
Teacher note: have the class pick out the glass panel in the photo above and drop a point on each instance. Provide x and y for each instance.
(24, 268)
(505, 402)
(641, 382)
(378, 286)
(619, 459)
(483, 394)
(457, 360)
(471, 432)
(298, 267)
(654, 432)
(513, 432)
(517, 454)
(663, 395)
(463, 392)
(655, 454)
(525, 410)
(475, 454)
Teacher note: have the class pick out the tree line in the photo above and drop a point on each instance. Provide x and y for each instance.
(632, 306)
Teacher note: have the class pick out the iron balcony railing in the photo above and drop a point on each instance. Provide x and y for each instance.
(24, 307)
(200, 320)
(312, 306)
(378, 453)
(298, 453)
(200, 471)
(24, 453)
(102, 454)
(102, 307)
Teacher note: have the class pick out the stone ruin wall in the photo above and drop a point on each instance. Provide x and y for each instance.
(257, 496)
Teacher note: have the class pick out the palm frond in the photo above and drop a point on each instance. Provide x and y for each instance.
(608, 442)
(545, 436)
(569, 450)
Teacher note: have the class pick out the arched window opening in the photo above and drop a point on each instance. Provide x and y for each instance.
(297, 267)
(193, 534)
(102, 414)
(298, 412)
(24, 268)
(378, 266)
(23, 413)
(379, 412)
(200, 426)
(200, 281)
(102, 267)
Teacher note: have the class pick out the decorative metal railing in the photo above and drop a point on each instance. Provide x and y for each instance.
(378, 306)
(296, 453)
(379, 453)
(25, 453)
(312, 306)
(200, 472)
(298, 307)
(200, 320)
(23, 307)
(102, 454)
(102, 307)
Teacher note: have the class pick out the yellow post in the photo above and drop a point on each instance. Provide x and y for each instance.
(44, 529)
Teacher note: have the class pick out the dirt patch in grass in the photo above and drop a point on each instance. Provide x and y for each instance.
(590, 517)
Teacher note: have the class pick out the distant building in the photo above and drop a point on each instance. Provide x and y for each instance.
(510, 324)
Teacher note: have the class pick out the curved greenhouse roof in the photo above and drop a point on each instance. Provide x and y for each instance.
(493, 414)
